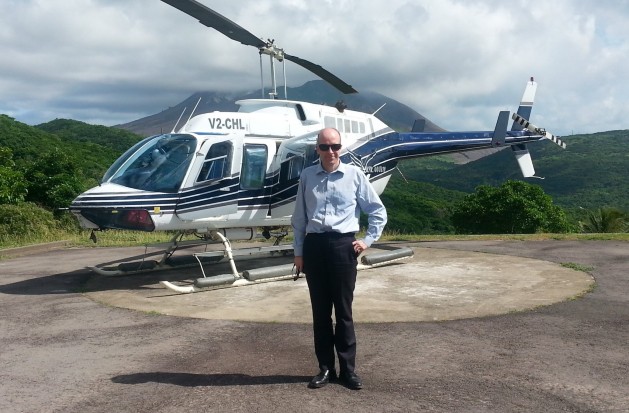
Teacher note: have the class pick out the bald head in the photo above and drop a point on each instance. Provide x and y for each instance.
(328, 147)
(329, 134)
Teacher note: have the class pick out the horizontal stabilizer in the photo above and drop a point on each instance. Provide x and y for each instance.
(540, 131)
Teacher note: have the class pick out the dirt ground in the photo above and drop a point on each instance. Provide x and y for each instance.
(60, 351)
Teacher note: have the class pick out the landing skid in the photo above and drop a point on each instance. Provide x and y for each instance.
(276, 273)
(168, 262)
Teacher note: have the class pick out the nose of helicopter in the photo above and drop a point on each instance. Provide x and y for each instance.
(103, 207)
(131, 219)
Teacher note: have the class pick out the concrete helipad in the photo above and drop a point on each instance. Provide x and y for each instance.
(64, 352)
(435, 284)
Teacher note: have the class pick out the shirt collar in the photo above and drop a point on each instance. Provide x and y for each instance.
(342, 168)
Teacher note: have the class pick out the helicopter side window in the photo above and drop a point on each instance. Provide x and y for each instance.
(329, 122)
(300, 112)
(253, 166)
(291, 167)
(311, 155)
(217, 163)
(339, 125)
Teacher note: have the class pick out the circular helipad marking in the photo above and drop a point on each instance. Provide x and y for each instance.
(435, 284)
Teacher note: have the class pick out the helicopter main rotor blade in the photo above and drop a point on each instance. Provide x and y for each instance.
(322, 73)
(210, 18)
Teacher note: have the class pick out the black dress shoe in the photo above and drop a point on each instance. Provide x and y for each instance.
(322, 379)
(351, 381)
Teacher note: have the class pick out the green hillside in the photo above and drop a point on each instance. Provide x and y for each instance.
(95, 147)
(26, 142)
(92, 147)
(591, 173)
(118, 140)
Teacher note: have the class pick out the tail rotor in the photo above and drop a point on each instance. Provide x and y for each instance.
(537, 130)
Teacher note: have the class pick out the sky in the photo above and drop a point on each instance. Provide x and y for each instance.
(457, 62)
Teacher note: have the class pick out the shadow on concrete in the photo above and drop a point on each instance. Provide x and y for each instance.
(66, 283)
(197, 380)
(84, 280)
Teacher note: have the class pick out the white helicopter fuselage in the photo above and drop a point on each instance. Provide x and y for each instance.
(222, 169)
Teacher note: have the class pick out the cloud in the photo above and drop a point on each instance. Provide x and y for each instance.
(458, 62)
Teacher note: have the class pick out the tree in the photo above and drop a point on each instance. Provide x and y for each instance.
(418, 208)
(54, 180)
(605, 220)
(515, 207)
(13, 186)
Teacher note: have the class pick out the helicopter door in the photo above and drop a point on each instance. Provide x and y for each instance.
(213, 181)
(285, 189)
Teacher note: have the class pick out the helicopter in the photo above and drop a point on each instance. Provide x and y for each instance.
(234, 175)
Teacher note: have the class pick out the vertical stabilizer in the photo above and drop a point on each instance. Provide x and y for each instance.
(526, 104)
(419, 125)
(500, 132)
(525, 162)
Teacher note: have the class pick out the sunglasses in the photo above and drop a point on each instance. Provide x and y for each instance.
(325, 147)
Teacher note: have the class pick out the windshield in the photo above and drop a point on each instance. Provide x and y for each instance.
(156, 164)
(120, 161)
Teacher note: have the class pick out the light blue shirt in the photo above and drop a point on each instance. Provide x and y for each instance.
(332, 201)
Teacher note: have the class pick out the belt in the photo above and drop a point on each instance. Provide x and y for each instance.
(330, 234)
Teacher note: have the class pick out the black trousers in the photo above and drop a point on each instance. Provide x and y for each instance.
(330, 267)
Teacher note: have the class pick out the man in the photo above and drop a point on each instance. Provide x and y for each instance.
(327, 210)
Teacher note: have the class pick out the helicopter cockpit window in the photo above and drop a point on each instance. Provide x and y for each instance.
(217, 163)
(160, 165)
(253, 166)
(125, 156)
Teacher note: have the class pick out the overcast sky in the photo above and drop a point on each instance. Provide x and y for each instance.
(457, 62)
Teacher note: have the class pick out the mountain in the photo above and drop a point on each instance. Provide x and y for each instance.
(395, 114)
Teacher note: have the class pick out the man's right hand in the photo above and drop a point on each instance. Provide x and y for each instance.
(299, 264)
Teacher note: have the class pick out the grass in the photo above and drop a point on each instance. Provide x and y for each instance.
(152, 312)
(82, 239)
(580, 267)
(583, 293)
(577, 267)
(120, 238)
(508, 237)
